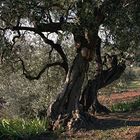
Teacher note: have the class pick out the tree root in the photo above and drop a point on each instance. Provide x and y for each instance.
(74, 121)
(99, 108)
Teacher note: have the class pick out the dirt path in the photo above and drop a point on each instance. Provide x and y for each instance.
(119, 97)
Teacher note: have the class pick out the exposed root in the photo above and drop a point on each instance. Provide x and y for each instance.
(74, 121)
(98, 108)
(101, 109)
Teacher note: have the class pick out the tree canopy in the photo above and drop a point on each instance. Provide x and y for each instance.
(118, 20)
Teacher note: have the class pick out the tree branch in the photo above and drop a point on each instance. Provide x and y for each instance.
(58, 48)
(51, 27)
(42, 27)
(49, 16)
(17, 36)
(89, 95)
(111, 75)
(27, 74)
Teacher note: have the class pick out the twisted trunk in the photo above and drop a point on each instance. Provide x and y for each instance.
(106, 77)
(67, 102)
(71, 107)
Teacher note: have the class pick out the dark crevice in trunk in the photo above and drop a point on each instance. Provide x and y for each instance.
(89, 95)
(98, 58)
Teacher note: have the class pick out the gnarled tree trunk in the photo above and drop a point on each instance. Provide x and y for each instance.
(106, 77)
(66, 105)
(71, 106)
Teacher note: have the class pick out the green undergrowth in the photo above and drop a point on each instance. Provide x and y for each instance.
(14, 129)
(134, 84)
(126, 106)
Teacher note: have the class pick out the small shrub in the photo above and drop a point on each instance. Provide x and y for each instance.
(22, 129)
(126, 106)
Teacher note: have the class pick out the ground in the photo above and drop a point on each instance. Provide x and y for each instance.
(115, 126)
(119, 97)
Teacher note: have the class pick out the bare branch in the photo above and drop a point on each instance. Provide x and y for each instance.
(58, 48)
(24, 28)
(27, 74)
(52, 27)
(43, 27)
(49, 16)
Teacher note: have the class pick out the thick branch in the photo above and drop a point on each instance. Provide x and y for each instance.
(58, 48)
(111, 75)
(24, 28)
(106, 77)
(42, 27)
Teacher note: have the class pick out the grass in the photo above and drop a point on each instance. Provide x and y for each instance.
(15, 129)
(21, 128)
(126, 106)
(134, 84)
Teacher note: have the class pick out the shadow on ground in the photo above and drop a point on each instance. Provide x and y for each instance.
(105, 124)
(117, 120)
(45, 136)
(102, 122)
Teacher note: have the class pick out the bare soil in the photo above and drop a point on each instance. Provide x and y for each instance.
(120, 97)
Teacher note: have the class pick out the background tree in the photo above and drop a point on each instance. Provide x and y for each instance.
(94, 25)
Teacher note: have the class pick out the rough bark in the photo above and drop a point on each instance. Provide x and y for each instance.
(67, 102)
(70, 106)
(89, 95)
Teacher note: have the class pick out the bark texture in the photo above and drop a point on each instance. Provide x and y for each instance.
(68, 100)
(106, 77)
